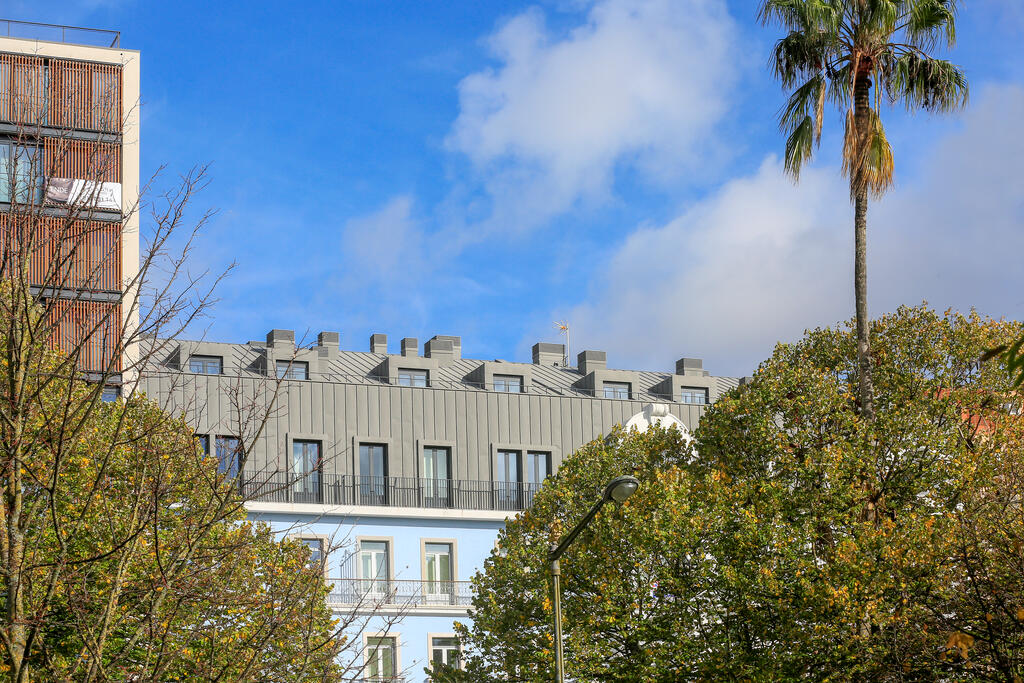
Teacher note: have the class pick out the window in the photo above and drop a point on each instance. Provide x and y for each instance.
(30, 92)
(380, 658)
(111, 393)
(105, 93)
(373, 474)
(205, 365)
(445, 650)
(616, 390)
(292, 369)
(316, 550)
(21, 173)
(374, 566)
(695, 396)
(506, 479)
(538, 467)
(412, 378)
(306, 471)
(512, 384)
(229, 453)
(438, 572)
(436, 476)
(204, 443)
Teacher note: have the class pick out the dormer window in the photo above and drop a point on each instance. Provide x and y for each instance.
(511, 384)
(413, 378)
(292, 369)
(620, 390)
(206, 365)
(694, 396)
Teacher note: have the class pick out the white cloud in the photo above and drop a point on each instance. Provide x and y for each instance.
(641, 82)
(382, 247)
(762, 259)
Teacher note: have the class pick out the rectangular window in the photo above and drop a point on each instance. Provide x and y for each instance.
(445, 650)
(30, 94)
(292, 370)
(373, 474)
(617, 390)
(438, 572)
(512, 384)
(21, 173)
(506, 480)
(374, 566)
(316, 550)
(205, 365)
(229, 454)
(436, 477)
(111, 393)
(413, 378)
(694, 396)
(306, 471)
(204, 443)
(538, 467)
(380, 659)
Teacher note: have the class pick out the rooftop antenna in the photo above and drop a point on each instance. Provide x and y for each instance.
(563, 327)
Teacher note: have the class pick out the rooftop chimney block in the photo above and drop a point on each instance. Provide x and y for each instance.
(443, 348)
(378, 343)
(282, 338)
(693, 367)
(548, 354)
(328, 339)
(588, 361)
(410, 347)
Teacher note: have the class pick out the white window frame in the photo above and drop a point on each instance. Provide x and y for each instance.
(454, 550)
(430, 647)
(397, 645)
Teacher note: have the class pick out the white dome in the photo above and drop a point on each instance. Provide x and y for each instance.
(656, 414)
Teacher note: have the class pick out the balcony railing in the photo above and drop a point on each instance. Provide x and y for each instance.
(347, 489)
(400, 593)
(59, 33)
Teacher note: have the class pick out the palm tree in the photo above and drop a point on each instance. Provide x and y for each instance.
(835, 51)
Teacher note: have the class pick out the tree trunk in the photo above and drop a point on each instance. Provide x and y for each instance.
(862, 113)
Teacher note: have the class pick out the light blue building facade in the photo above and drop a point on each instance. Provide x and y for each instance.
(399, 469)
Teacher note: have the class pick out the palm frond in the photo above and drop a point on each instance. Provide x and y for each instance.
(929, 21)
(798, 57)
(879, 163)
(799, 146)
(802, 103)
(878, 17)
(801, 15)
(930, 84)
(867, 155)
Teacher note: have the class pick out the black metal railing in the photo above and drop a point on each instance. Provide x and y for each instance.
(413, 492)
(59, 33)
(400, 593)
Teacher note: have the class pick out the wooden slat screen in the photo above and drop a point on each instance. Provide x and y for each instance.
(98, 323)
(85, 95)
(23, 89)
(91, 252)
(82, 160)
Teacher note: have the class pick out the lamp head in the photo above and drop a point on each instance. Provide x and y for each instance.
(620, 488)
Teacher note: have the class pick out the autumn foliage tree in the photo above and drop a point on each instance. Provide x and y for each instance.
(794, 538)
(138, 563)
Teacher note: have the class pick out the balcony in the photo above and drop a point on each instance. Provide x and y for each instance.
(371, 593)
(408, 492)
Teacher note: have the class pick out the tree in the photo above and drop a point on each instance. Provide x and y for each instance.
(794, 538)
(124, 550)
(835, 51)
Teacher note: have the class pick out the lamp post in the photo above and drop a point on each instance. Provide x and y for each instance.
(617, 490)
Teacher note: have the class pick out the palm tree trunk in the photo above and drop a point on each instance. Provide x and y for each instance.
(862, 113)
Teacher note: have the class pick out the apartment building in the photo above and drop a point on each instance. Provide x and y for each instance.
(398, 467)
(69, 179)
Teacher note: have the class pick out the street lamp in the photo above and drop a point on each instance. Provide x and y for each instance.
(617, 490)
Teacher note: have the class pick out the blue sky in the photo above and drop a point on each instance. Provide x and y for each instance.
(483, 169)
